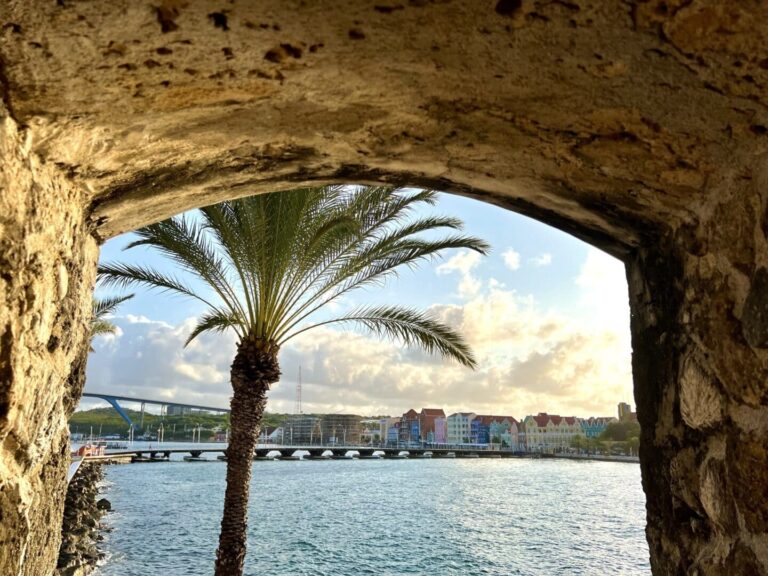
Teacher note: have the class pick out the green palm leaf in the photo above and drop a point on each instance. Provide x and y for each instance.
(273, 261)
(409, 326)
(103, 307)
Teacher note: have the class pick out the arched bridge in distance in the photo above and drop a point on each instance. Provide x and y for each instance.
(114, 400)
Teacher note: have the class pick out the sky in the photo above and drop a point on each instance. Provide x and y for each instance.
(546, 315)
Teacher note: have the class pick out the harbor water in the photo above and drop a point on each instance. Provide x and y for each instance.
(384, 517)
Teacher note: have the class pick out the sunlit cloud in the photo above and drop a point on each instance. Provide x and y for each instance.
(541, 260)
(530, 359)
(511, 259)
(464, 263)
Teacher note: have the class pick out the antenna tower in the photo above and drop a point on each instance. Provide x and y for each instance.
(297, 405)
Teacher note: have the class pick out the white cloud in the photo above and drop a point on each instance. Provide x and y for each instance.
(511, 259)
(544, 259)
(529, 360)
(464, 263)
(603, 292)
(150, 361)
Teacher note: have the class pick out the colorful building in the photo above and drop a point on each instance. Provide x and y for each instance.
(410, 429)
(389, 430)
(594, 426)
(427, 418)
(551, 432)
(501, 431)
(504, 432)
(459, 428)
(441, 432)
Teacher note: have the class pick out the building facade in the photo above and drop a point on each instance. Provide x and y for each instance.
(594, 426)
(459, 428)
(441, 436)
(389, 430)
(427, 418)
(625, 413)
(410, 430)
(503, 432)
(551, 432)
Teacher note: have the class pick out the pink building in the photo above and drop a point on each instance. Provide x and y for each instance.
(441, 434)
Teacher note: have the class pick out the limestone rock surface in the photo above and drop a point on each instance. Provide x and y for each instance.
(639, 126)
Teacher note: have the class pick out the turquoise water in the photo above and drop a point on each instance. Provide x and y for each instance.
(384, 517)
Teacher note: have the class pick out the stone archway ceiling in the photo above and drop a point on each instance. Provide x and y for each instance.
(607, 119)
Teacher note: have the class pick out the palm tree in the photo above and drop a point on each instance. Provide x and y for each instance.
(271, 263)
(103, 307)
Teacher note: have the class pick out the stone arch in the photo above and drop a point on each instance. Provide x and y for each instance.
(639, 127)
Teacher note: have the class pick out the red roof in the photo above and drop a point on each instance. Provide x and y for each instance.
(491, 419)
(541, 419)
(432, 412)
(411, 414)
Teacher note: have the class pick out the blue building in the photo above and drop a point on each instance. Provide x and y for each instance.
(480, 430)
(410, 429)
(594, 426)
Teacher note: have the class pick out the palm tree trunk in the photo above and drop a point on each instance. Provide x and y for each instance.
(254, 369)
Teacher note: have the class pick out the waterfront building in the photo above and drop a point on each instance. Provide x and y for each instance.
(410, 430)
(551, 432)
(504, 432)
(459, 428)
(625, 413)
(440, 430)
(501, 431)
(340, 429)
(303, 429)
(388, 432)
(480, 429)
(594, 426)
(522, 443)
(370, 432)
(427, 418)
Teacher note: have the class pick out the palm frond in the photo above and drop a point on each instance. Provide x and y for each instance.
(274, 260)
(101, 328)
(104, 306)
(125, 275)
(214, 321)
(409, 326)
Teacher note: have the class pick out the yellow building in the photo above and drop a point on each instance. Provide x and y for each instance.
(550, 432)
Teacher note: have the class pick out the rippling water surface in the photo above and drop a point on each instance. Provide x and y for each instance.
(384, 517)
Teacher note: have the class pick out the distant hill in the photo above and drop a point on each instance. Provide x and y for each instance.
(106, 421)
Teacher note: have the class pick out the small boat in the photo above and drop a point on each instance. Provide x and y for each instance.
(450, 455)
(426, 454)
(470, 455)
(222, 457)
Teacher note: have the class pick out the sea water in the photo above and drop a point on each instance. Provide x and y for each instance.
(383, 517)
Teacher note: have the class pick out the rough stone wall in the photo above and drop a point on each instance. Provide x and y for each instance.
(641, 127)
(47, 261)
(699, 323)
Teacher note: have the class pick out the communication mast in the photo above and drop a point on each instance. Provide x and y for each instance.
(297, 405)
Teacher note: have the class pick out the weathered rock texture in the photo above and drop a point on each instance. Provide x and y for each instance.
(80, 536)
(641, 127)
(46, 275)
